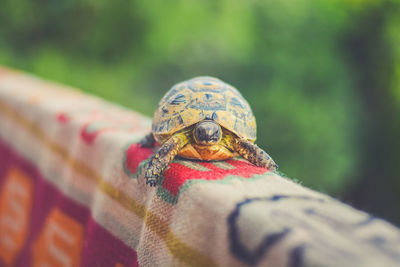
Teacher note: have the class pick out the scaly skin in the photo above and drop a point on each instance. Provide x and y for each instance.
(253, 154)
(164, 156)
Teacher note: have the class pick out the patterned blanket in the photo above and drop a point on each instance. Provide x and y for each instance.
(72, 193)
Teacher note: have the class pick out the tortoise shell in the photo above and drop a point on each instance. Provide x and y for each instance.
(200, 98)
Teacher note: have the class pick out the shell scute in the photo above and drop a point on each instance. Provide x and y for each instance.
(203, 98)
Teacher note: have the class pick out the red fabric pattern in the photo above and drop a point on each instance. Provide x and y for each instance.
(178, 174)
(136, 154)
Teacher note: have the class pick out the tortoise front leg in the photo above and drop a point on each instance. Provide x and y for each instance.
(254, 154)
(163, 157)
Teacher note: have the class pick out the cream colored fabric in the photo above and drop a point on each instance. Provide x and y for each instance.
(230, 214)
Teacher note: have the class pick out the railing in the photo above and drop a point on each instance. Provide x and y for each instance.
(72, 193)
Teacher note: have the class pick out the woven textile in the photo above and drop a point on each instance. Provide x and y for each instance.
(72, 193)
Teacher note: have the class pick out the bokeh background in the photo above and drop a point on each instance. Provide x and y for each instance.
(322, 77)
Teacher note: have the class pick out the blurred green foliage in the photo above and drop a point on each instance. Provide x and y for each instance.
(297, 62)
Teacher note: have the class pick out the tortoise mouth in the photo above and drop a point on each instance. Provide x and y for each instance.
(207, 133)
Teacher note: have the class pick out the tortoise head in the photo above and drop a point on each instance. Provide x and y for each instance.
(207, 133)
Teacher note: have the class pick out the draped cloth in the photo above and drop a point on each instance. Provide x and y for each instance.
(72, 193)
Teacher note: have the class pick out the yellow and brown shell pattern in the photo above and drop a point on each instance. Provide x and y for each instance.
(201, 98)
(206, 119)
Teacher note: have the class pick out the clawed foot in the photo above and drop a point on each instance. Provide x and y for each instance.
(160, 160)
(273, 166)
(151, 176)
(152, 181)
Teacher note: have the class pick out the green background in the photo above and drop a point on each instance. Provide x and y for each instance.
(322, 77)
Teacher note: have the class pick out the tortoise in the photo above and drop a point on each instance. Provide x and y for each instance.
(203, 118)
